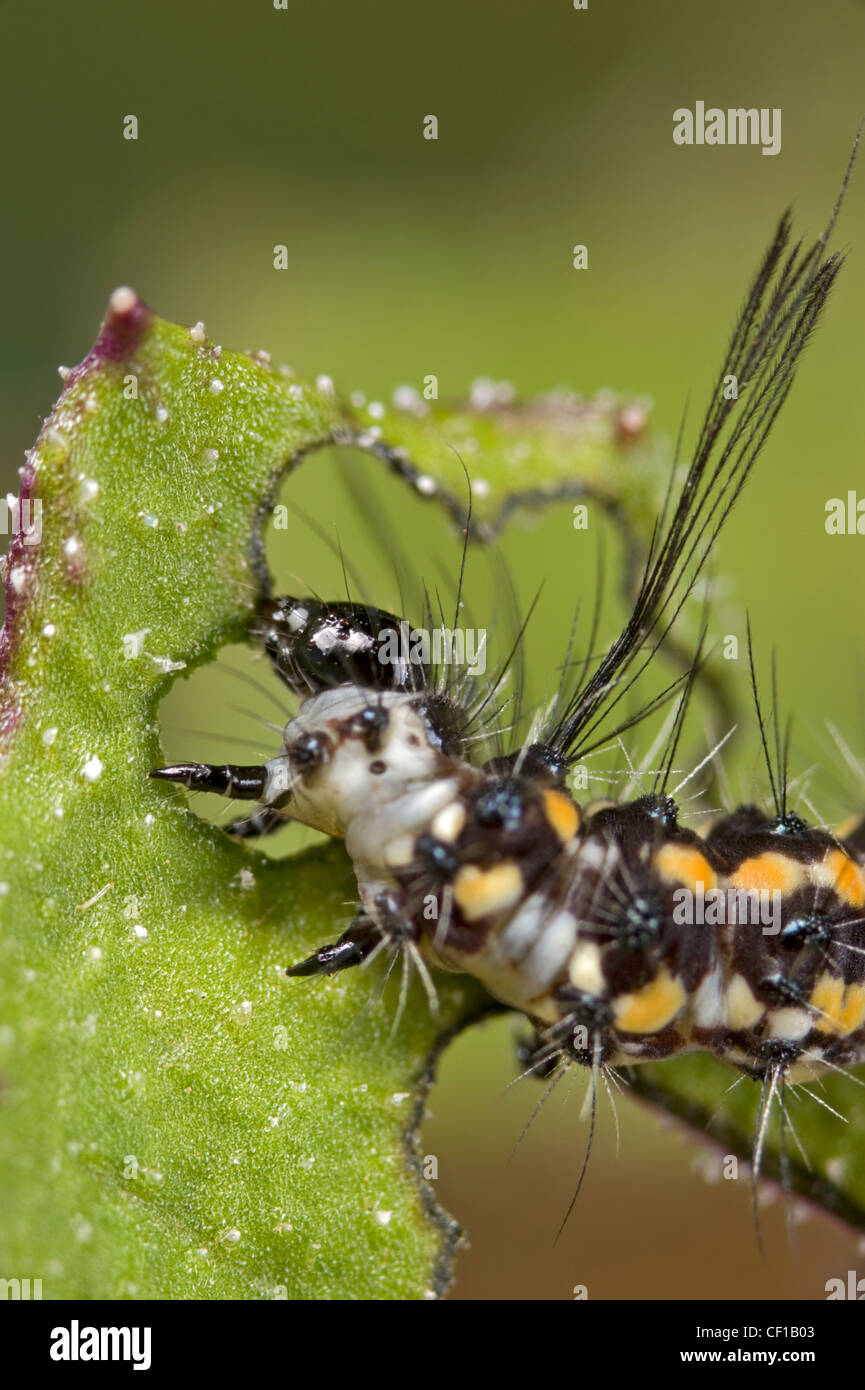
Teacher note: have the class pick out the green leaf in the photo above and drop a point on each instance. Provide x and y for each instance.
(521, 454)
(178, 1119)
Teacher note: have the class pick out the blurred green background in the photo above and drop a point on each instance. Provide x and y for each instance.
(409, 257)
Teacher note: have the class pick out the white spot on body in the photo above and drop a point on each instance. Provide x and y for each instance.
(399, 852)
(448, 823)
(790, 1023)
(708, 1006)
(743, 1009)
(92, 769)
(592, 854)
(522, 930)
(550, 953)
(584, 969)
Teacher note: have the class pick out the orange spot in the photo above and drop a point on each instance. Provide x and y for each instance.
(847, 827)
(651, 1008)
(769, 872)
(841, 1010)
(682, 864)
(842, 874)
(479, 892)
(562, 814)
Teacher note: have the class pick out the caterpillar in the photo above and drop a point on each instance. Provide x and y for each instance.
(622, 935)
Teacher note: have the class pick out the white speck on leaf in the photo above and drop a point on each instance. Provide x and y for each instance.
(133, 643)
(166, 664)
(81, 1229)
(122, 300)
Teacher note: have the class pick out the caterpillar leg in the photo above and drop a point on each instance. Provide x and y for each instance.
(246, 783)
(261, 784)
(386, 924)
(264, 821)
(352, 948)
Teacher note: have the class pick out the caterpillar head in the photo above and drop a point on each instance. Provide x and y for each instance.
(365, 763)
